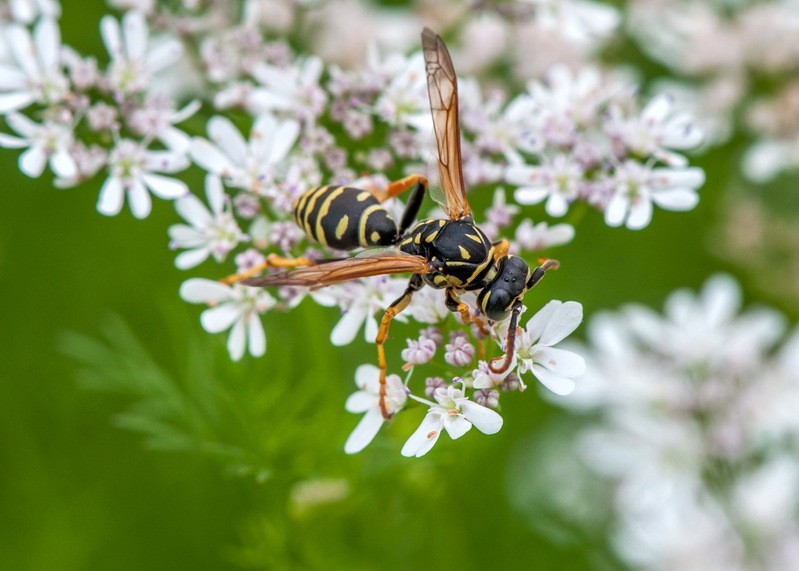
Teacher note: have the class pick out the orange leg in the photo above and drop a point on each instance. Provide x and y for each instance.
(398, 187)
(455, 304)
(501, 248)
(382, 334)
(272, 261)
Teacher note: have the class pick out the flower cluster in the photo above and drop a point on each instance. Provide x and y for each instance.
(724, 47)
(279, 122)
(698, 430)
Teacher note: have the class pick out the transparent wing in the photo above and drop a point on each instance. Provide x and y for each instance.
(442, 88)
(336, 271)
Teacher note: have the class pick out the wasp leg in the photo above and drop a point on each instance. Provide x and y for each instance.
(510, 343)
(454, 304)
(272, 261)
(397, 187)
(382, 334)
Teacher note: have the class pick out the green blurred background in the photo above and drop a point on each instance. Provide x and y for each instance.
(185, 460)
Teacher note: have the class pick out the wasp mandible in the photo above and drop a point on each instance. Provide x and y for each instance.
(444, 253)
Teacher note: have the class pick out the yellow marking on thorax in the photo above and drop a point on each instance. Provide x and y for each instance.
(474, 237)
(341, 227)
(324, 208)
(362, 223)
(417, 239)
(464, 253)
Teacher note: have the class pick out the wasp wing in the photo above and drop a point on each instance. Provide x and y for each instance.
(331, 272)
(442, 88)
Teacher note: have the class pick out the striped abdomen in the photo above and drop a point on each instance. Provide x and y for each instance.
(344, 218)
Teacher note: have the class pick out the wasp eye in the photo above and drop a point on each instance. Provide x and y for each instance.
(495, 303)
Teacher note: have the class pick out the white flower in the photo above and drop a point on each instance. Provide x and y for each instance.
(367, 400)
(211, 232)
(250, 165)
(47, 143)
(637, 186)
(557, 181)
(404, 100)
(233, 307)
(657, 129)
(157, 117)
(294, 89)
(133, 169)
(133, 62)
(485, 378)
(555, 368)
(454, 413)
(26, 11)
(37, 76)
(534, 237)
(359, 301)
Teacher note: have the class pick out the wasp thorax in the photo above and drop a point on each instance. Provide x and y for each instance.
(498, 296)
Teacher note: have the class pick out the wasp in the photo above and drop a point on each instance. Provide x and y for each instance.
(449, 253)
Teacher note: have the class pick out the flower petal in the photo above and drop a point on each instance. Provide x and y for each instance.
(236, 340)
(221, 317)
(191, 258)
(562, 322)
(165, 187)
(347, 327)
(365, 432)
(361, 401)
(425, 437)
(554, 382)
(256, 339)
(201, 290)
(139, 199)
(32, 162)
(484, 419)
(112, 196)
(560, 361)
(456, 426)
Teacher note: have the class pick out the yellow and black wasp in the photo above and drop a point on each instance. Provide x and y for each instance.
(445, 253)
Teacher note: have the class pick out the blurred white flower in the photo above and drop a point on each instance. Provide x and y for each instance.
(235, 307)
(294, 89)
(367, 400)
(250, 165)
(211, 232)
(133, 172)
(535, 237)
(638, 186)
(134, 60)
(36, 75)
(555, 368)
(26, 11)
(557, 181)
(48, 143)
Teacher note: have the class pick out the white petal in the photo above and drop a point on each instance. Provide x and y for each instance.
(423, 439)
(538, 322)
(112, 196)
(484, 419)
(679, 199)
(562, 322)
(657, 109)
(616, 210)
(23, 125)
(530, 194)
(139, 199)
(554, 382)
(11, 78)
(191, 258)
(174, 139)
(222, 132)
(282, 140)
(347, 327)
(361, 401)
(32, 162)
(640, 215)
(135, 30)
(721, 295)
(109, 30)
(221, 317)
(193, 211)
(215, 193)
(10, 142)
(561, 362)
(365, 432)
(256, 339)
(456, 426)
(370, 329)
(556, 205)
(691, 177)
(165, 187)
(15, 100)
(63, 165)
(21, 45)
(209, 157)
(201, 290)
(262, 136)
(47, 38)
(367, 378)
(163, 55)
(236, 340)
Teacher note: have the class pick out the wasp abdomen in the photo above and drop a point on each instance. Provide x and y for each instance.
(344, 218)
